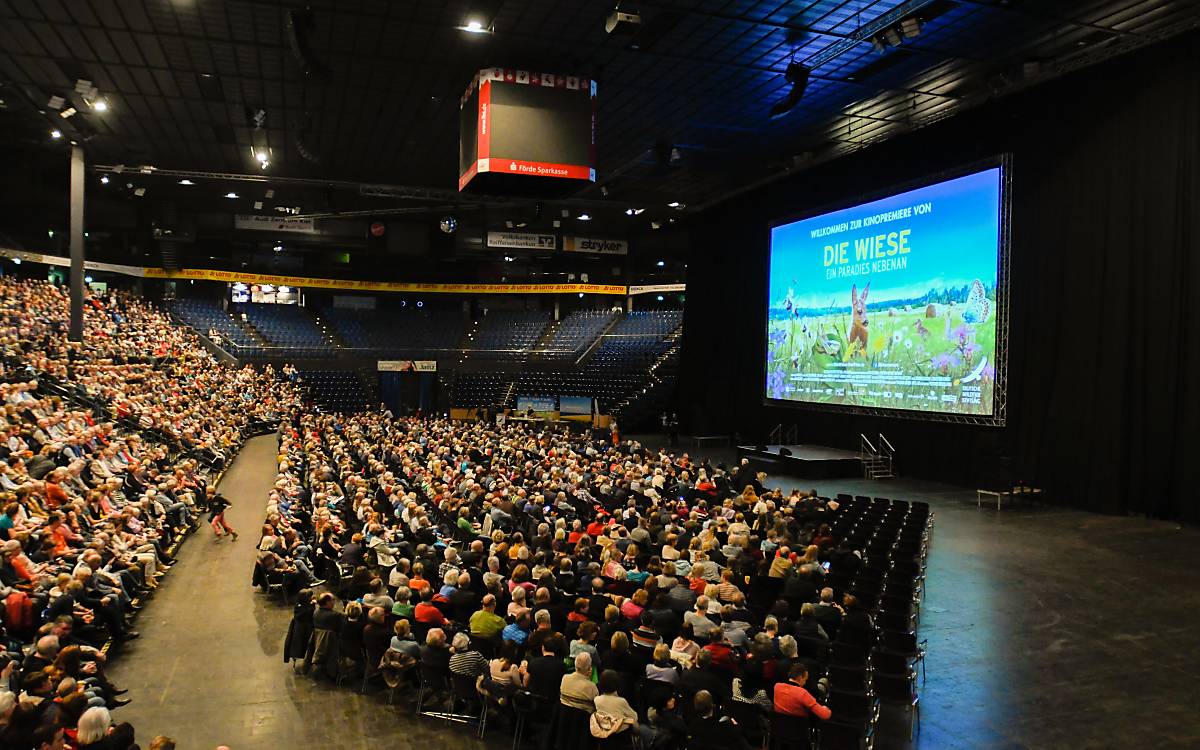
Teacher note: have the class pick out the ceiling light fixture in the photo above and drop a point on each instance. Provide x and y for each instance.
(68, 112)
(104, 179)
(100, 105)
(584, 217)
(475, 26)
(661, 263)
(677, 205)
(186, 181)
(231, 195)
(56, 134)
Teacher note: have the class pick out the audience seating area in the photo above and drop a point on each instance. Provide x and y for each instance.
(289, 329)
(575, 332)
(206, 316)
(335, 390)
(683, 619)
(477, 389)
(410, 331)
(506, 334)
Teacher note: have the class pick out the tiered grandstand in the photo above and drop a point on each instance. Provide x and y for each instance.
(627, 361)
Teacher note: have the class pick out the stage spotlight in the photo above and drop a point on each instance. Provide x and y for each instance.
(661, 263)
(56, 134)
(87, 279)
(278, 248)
(186, 181)
(476, 27)
(100, 105)
(581, 295)
(16, 261)
(659, 298)
(104, 179)
(231, 194)
(584, 217)
(797, 75)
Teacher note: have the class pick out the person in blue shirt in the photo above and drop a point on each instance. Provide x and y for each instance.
(517, 631)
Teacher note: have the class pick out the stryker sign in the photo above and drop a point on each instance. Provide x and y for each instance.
(596, 246)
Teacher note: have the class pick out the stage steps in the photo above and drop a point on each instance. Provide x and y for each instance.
(877, 462)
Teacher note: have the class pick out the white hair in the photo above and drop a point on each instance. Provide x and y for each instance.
(461, 642)
(93, 725)
(583, 663)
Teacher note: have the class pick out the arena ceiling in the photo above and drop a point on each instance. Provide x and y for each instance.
(683, 105)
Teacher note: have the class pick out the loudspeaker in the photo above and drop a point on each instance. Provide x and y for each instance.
(299, 25)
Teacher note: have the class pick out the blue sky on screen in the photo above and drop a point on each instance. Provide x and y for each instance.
(951, 246)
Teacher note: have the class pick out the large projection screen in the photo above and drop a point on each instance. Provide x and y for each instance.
(896, 305)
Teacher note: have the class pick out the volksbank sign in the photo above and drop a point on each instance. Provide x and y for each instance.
(596, 246)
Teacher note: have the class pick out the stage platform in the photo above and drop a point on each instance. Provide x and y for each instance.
(816, 461)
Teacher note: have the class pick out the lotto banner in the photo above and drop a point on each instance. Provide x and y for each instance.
(204, 274)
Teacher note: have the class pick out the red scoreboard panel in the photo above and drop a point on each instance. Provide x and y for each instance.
(526, 130)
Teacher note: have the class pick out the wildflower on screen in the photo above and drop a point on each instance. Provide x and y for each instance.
(963, 334)
(908, 343)
(775, 384)
(778, 336)
(944, 362)
(897, 337)
(989, 373)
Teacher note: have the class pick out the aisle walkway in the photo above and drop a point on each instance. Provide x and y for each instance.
(209, 670)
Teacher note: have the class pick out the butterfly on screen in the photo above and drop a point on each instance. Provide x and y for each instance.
(977, 308)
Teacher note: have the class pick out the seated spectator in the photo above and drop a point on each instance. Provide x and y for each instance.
(464, 659)
(793, 699)
(435, 653)
(706, 729)
(485, 623)
(577, 689)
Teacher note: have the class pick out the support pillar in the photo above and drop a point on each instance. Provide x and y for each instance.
(75, 333)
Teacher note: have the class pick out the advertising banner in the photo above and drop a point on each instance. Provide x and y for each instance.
(595, 245)
(274, 223)
(575, 405)
(522, 240)
(657, 288)
(539, 404)
(407, 365)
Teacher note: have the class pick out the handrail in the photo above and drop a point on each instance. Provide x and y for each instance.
(775, 434)
(867, 443)
(884, 441)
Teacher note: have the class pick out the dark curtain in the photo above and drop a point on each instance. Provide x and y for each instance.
(1103, 409)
